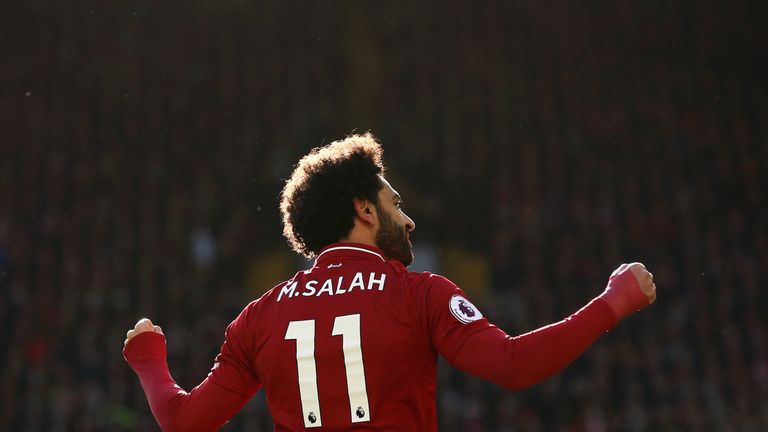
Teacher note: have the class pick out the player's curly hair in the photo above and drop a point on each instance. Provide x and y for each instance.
(316, 203)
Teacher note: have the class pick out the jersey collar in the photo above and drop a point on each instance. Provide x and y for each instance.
(338, 250)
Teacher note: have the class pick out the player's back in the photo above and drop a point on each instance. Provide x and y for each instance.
(343, 346)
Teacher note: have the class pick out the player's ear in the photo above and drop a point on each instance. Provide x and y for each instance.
(365, 210)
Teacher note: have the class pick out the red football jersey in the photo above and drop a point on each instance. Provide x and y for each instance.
(352, 344)
(349, 344)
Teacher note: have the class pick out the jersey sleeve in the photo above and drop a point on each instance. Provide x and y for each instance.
(449, 316)
(522, 361)
(461, 334)
(206, 408)
(233, 368)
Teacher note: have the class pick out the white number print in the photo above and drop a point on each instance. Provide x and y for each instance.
(348, 326)
(303, 332)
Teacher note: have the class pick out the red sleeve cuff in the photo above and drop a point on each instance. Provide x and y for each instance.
(607, 313)
(145, 346)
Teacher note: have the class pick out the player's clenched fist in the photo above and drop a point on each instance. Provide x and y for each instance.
(630, 288)
(144, 325)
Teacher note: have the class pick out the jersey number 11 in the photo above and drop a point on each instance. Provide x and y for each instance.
(303, 332)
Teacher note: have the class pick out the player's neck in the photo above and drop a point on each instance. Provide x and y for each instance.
(361, 235)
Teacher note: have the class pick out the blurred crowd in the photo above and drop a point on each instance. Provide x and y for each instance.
(537, 147)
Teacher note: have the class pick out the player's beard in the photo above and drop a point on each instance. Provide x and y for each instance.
(392, 239)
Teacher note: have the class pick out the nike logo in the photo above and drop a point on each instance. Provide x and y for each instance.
(334, 265)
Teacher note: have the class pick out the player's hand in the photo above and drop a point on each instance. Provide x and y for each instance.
(144, 325)
(630, 288)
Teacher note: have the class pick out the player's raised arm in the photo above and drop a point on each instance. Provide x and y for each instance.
(525, 360)
(206, 408)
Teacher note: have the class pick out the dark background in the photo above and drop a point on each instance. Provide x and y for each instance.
(537, 145)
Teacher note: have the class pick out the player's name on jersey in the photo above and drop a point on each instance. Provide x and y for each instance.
(334, 286)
